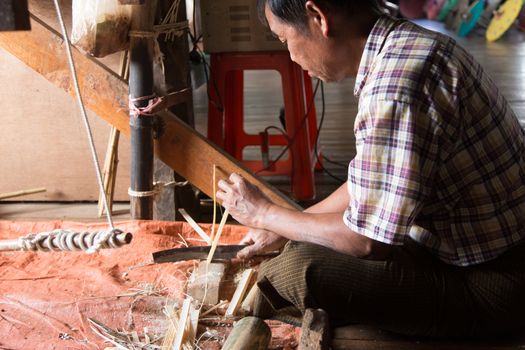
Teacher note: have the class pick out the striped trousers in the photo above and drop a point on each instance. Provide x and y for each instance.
(410, 292)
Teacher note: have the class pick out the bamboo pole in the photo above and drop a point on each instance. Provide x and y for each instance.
(110, 171)
(141, 126)
(111, 161)
(22, 193)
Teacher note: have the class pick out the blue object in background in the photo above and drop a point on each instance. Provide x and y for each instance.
(472, 18)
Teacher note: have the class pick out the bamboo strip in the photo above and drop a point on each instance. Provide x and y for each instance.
(22, 193)
(181, 328)
(214, 179)
(240, 291)
(195, 226)
(217, 236)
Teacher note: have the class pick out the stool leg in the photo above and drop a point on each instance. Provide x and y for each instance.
(216, 90)
(303, 185)
(234, 114)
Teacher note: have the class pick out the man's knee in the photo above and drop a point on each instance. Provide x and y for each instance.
(295, 259)
(287, 279)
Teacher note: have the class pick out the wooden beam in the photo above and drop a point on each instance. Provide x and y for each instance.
(106, 94)
(195, 156)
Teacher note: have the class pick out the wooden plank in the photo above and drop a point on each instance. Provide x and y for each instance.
(345, 344)
(359, 337)
(361, 332)
(191, 155)
(42, 50)
(180, 147)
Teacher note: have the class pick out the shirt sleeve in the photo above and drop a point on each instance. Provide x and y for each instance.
(391, 175)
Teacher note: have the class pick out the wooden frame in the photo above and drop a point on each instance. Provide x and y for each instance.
(105, 93)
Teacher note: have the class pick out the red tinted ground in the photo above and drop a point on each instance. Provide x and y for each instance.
(46, 298)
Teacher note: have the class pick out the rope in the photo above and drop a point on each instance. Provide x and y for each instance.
(68, 240)
(148, 111)
(171, 20)
(142, 34)
(169, 27)
(157, 189)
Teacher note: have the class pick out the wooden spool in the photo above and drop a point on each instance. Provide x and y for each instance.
(249, 333)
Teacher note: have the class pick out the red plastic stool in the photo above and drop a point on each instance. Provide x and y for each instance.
(226, 126)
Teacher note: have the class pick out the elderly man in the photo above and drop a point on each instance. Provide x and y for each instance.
(426, 236)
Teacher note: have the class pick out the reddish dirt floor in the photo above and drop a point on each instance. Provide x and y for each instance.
(47, 298)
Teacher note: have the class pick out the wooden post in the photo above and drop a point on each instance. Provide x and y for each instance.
(174, 77)
(249, 333)
(14, 15)
(141, 88)
(315, 331)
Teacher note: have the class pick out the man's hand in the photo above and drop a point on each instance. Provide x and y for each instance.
(260, 241)
(245, 202)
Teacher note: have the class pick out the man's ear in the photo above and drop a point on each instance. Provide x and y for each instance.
(317, 16)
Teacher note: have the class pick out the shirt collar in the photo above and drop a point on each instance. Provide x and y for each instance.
(374, 44)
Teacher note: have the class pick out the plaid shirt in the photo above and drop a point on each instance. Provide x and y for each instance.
(440, 154)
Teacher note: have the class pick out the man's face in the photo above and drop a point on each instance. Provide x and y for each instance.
(307, 48)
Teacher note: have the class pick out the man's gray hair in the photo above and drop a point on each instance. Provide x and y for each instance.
(294, 11)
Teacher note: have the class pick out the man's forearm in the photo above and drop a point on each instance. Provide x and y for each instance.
(336, 202)
(326, 229)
